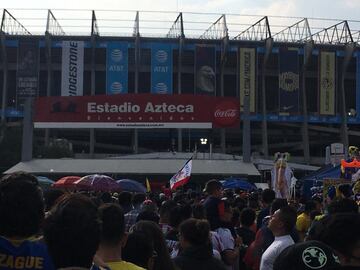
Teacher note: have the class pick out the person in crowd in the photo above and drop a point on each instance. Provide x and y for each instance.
(21, 216)
(303, 221)
(130, 217)
(124, 199)
(281, 224)
(214, 206)
(51, 196)
(267, 197)
(342, 233)
(156, 238)
(113, 238)
(175, 219)
(72, 232)
(247, 219)
(139, 251)
(196, 250)
(164, 212)
(308, 255)
(148, 215)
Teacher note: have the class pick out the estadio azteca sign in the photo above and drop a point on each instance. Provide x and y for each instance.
(136, 111)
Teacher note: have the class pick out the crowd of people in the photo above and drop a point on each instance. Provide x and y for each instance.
(214, 229)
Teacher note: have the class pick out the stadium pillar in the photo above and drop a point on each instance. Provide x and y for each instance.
(4, 86)
(49, 77)
(246, 131)
(268, 48)
(179, 131)
(27, 138)
(305, 127)
(92, 131)
(136, 90)
(349, 50)
(225, 44)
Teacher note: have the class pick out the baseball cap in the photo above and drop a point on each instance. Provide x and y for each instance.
(307, 255)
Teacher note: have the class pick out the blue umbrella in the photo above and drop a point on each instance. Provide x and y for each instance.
(131, 185)
(238, 183)
(44, 182)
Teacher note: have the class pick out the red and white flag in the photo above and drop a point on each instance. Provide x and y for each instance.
(182, 176)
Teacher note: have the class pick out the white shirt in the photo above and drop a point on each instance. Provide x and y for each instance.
(271, 253)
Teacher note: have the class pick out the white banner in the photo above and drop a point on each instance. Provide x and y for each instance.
(72, 68)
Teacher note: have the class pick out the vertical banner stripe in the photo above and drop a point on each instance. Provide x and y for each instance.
(327, 83)
(289, 87)
(72, 68)
(247, 76)
(358, 85)
(117, 68)
(161, 69)
(27, 75)
(205, 70)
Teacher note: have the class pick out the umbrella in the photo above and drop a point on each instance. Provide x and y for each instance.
(238, 183)
(131, 185)
(97, 182)
(44, 182)
(66, 182)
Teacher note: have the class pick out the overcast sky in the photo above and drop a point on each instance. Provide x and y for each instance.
(339, 9)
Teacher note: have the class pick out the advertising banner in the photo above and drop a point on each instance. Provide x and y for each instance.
(247, 62)
(136, 111)
(358, 85)
(117, 68)
(205, 70)
(289, 80)
(27, 76)
(161, 69)
(327, 83)
(72, 73)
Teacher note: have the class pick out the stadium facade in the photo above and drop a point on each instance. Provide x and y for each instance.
(296, 90)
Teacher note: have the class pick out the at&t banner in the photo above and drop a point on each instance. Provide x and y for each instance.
(72, 68)
(117, 68)
(161, 69)
(288, 80)
(205, 70)
(247, 62)
(27, 80)
(327, 83)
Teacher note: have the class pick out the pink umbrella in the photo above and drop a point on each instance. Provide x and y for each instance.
(66, 182)
(97, 182)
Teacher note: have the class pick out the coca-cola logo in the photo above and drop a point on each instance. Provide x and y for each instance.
(226, 113)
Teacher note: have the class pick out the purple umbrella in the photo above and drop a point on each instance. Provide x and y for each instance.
(97, 182)
(131, 185)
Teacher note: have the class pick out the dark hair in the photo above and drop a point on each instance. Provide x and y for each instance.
(288, 216)
(155, 235)
(309, 206)
(51, 196)
(247, 217)
(72, 231)
(21, 205)
(113, 223)
(195, 231)
(212, 186)
(277, 204)
(124, 199)
(166, 207)
(199, 211)
(148, 215)
(268, 195)
(138, 199)
(138, 249)
(343, 206)
(175, 216)
(345, 189)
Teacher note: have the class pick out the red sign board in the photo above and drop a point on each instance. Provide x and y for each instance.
(136, 111)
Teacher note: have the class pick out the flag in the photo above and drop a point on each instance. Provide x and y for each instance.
(148, 187)
(182, 176)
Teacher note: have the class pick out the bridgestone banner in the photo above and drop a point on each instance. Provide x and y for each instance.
(117, 68)
(205, 70)
(327, 83)
(247, 62)
(27, 81)
(137, 111)
(289, 80)
(161, 69)
(72, 68)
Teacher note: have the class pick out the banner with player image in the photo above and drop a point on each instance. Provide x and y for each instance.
(289, 87)
(205, 70)
(247, 62)
(161, 69)
(327, 83)
(282, 177)
(116, 68)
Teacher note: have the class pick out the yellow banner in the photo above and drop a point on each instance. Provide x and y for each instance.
(247, 76)
(327, 83)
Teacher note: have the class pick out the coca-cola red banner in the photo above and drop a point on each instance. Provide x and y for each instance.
(136, 111)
